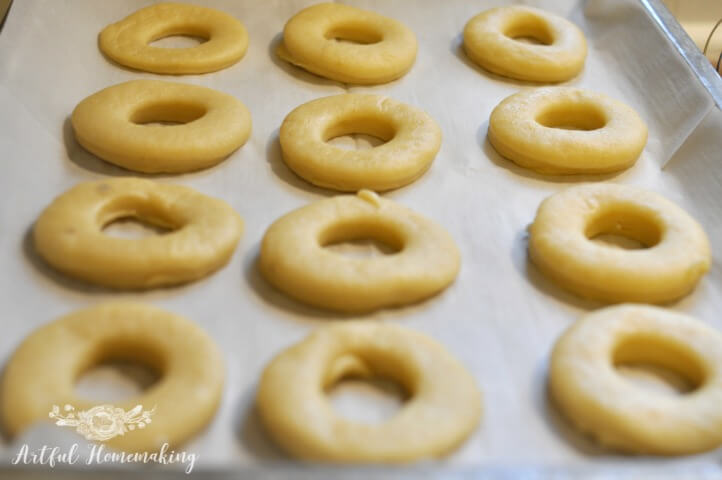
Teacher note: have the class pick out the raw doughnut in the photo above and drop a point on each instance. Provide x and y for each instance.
(384, 49)
(114, 125)
(69, 233)
(490, 40)
(412, 141)
(677, 252)
(589, 391)
(443, 409)
(564, 130)
(127, 42)
(43, 370)
(293, 257)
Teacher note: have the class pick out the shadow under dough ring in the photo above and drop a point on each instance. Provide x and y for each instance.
(676, 256)
(69, 233)
(443, 409)
(588, 389)
(43, 370)
(412, 141)
(128, 41)
(114, 124)
(293, 257)
(490, 40)
(564, 130)
(377, 49)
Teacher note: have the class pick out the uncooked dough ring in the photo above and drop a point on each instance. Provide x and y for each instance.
(111, 124)
(385, 51)
(677, 256)
(293, 257)
(531, 128)
(69, 233)
(127, 41)
(43, 370)
(443, 409)
(586, 387)
(412, 141)
(489, 40)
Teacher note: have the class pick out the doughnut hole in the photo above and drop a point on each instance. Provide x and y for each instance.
(186, 36)
(178, 41)
(363, 238)
(359, 133)
(658, 364)
(529, 28)
(362, 391)
(626, 226)
(167, 113)
(132, 227)
(355, 33)
(133, 217)
(117, 370)
(572, 116)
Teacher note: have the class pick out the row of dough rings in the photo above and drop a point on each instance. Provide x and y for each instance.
(127, 41)
(114, 125)
(43, 370)
(490, 40)
(385, 49)
(381, 49)
(560, 244)
(564, 130)
(412, 141)
(527, 128)
(590, 392)
(294, 260)
(445, 400)
(443, 409)
(69, 233)
(444, 396)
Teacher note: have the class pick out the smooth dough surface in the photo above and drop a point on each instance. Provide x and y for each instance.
(623, 415)
(377, 49)
(565, 130)
(293, 257)
(490, 40)
(116, 125)
(128, 41)
(560, 245)
(43, 370)
(412, 141)
(69, 233)
(443, 409)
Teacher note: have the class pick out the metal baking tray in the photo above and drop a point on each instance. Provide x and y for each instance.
(49, 61)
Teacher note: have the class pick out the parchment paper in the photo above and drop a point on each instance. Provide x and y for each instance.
(500, 318)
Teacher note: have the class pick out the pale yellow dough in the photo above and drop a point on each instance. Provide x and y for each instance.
(565, 130)
(622, 415)
(490, 41)
(127, 41)
(443, 409)
(676, 257)
(69, 233)
(114, 124)
(293, 257)
(43, 370)
(384, 48)
(412, 141)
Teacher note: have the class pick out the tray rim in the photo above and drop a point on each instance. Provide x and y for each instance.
(685, 46)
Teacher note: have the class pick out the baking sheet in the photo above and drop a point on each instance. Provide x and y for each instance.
(500, 318)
